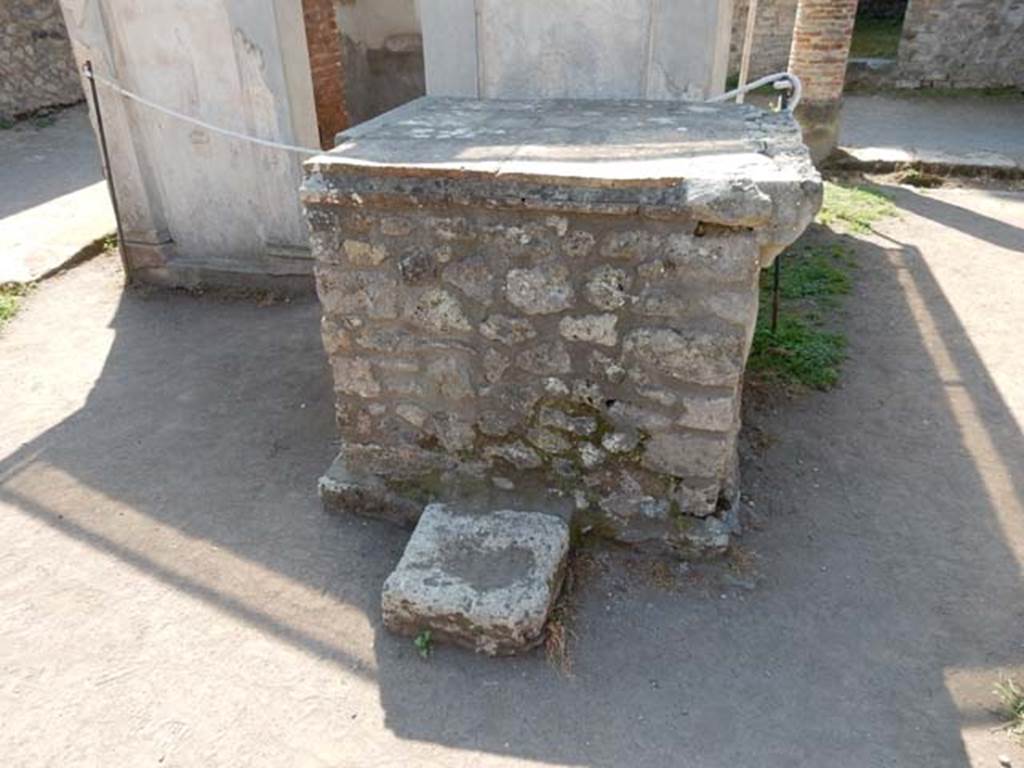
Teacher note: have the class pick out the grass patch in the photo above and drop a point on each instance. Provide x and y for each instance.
(856, 207)
(802, 350)
(816, 272)
(1011, 696)
(11, 295)
(798, 353)
(875, 38)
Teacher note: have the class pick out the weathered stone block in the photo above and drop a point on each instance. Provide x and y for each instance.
(541, 290)
(596, 329)
(709, 412)
(485, 582)
(439, 311)
(354, 376)
(681, 454)
(355, 293)
(506, 314)
(364, 495)
(363, 254)
(507, 330)
(700, 357)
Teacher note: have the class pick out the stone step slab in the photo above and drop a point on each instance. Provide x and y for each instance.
(481, 581)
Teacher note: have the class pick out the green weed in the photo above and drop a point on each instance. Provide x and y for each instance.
(856, 208)
(11, 295)
(801, 350)
(1011, 696)
(424, 643)
(815, 272)
(798, 352)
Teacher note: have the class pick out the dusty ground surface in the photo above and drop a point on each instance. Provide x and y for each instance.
(53, 200)
(949, 126)
(171, 593)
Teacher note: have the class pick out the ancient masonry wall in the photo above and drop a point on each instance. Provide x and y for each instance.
(600, 356)
(952, 43)
(37, 69)
(962, 43)
(773, 36)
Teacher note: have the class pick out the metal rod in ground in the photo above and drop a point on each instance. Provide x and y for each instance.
(776, 275)
(107, 170)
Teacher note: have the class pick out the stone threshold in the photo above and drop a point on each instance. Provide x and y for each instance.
(890, 159)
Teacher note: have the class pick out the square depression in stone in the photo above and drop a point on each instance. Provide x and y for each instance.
(485, 582)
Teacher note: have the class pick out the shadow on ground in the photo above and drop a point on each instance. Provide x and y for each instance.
(888, 596)
(47, 158)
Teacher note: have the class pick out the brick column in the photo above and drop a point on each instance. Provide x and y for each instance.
(325, 64)
(818, 56)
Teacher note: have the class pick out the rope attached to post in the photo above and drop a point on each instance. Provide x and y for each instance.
(780, 80)
(197, 122)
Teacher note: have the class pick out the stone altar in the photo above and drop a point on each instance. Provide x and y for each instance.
(548, 305)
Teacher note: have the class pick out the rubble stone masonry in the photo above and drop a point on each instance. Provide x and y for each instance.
(962, 44)
(496, 328)
(945, 43)
(36, 66)
(773, 35)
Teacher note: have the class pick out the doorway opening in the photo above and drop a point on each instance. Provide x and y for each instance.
(878, 28)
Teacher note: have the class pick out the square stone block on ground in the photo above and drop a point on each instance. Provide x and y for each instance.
(482, 581)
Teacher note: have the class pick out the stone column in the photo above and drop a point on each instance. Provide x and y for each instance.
(821, 47)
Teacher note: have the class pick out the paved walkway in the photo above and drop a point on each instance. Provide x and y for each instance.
(987, 132)
(171, 593)
(53, 200)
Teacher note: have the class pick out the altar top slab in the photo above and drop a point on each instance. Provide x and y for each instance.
(591, 143)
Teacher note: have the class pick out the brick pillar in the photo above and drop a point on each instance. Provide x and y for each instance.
(821, 47)
(325, 64)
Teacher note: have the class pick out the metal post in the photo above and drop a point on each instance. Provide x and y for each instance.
(776, 276)
(784, 96)
(107, 171)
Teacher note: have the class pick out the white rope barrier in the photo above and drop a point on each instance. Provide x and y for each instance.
(200, 123)
(780, 80)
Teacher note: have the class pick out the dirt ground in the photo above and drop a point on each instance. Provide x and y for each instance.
(53, 199)
(171, 593)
